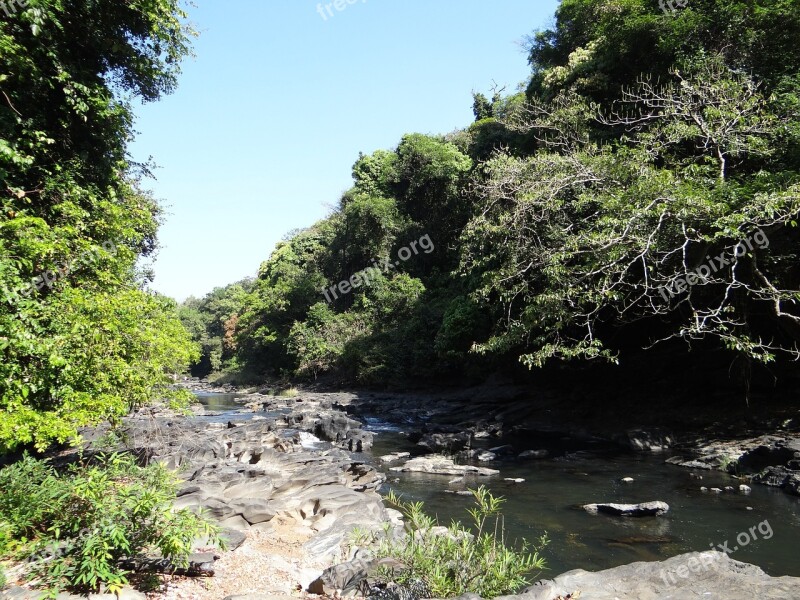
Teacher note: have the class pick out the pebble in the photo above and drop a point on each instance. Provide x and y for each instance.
(627, 480)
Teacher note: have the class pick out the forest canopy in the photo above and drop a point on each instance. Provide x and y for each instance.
(644, 188)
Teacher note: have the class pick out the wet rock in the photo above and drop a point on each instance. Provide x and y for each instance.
(442, 465)
(644, 509)
(627, 480)
(745, 489)
(487, 456)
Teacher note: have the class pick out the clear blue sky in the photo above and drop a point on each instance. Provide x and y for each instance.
(270, 116)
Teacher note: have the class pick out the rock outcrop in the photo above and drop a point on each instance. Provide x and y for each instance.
(709, 575)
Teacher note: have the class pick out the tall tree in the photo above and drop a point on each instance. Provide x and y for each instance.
(80, 340)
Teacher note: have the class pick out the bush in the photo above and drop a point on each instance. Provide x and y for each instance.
(460, 560)
(77, 528)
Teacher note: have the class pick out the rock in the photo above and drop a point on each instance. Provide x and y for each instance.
(772, 476)
(341, 579)
(729, 488)
(357, 440)
(689, 464)
(531, 454)
(792, 484)
(506, 450)
(449, 443)
(394, 456)
(627, 480)
(772, 453)
(745, 489)
(130, 594)
(645, 509)
(514, 480)
(334, 427)
(641, 440)
(703, 488)
(487, 456)
(442, 465)
(711, 575)
(716, 490)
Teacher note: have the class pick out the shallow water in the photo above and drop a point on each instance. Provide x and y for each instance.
(549, 501)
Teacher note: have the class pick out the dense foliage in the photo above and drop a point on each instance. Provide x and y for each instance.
(645, 188)
(80, 339)
(75, 528)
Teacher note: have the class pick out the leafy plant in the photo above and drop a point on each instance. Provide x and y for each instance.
(460, 559)
(77, 528)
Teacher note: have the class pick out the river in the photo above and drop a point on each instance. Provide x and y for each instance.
(766, 521)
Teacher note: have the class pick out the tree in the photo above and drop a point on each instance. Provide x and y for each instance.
(685, 226)
(80, 340)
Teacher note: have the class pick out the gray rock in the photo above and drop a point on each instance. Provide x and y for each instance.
(708, 575)
(644, 509)
(394, 456)
(442, 465)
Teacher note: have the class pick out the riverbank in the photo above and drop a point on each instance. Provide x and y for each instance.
(294, 475)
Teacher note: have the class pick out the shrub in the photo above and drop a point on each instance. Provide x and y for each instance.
(460, 560)
(77, 527)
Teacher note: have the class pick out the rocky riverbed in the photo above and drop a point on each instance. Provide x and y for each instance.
(288, 481)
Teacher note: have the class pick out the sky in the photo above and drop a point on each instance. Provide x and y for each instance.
(269, 116)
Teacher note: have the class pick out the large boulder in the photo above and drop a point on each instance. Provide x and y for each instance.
(708, 575)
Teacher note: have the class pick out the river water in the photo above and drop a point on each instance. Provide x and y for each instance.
(763, 526)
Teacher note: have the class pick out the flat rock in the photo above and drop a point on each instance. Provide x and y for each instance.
(708, 575)
(644, 509)
(441, 465)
